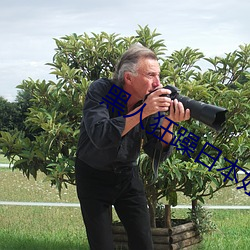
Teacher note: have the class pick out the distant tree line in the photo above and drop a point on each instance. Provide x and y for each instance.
(13, 114)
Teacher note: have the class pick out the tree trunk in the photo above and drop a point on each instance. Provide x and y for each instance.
(152, 207)
(194, 205)
(168, 216)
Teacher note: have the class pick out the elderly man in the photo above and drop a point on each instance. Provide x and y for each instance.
(110, 143)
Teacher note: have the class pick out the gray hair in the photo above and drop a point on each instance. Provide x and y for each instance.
(129, 61)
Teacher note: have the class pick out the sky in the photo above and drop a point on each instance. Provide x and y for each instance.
(28, 27)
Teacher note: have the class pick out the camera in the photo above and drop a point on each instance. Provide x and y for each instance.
(211, 115)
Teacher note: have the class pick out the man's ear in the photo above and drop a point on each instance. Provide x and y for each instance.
(128, 78)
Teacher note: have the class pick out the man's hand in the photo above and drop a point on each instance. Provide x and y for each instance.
(157, 103)
(177, 113)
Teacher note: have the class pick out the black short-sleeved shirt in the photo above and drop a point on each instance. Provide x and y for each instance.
(101, 145)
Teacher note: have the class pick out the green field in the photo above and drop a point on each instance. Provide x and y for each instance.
(54, 228)
(3, 159)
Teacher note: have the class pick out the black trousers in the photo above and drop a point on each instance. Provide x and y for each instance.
(98, 191)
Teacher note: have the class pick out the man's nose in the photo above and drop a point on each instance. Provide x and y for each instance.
(157, 82)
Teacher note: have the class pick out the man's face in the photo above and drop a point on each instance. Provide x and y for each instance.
(146, 80)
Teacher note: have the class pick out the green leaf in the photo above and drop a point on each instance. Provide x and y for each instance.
(172, 197)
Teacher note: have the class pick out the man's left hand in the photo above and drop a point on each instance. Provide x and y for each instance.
(177, 113)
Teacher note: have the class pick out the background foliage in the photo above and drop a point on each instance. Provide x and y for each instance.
(47, 138)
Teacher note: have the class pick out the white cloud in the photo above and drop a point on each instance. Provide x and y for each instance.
(27, 28)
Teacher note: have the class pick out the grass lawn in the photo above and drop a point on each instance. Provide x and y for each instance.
(3, 159)
(35, 228)
(45, 228)
(61, 228)
(233, 231)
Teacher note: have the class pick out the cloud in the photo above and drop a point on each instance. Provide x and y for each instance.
(28, 27)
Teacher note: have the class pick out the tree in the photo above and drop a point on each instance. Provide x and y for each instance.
(226, 84)
(56, 109)
(10, 115)
(13, 114)
(23, 103)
